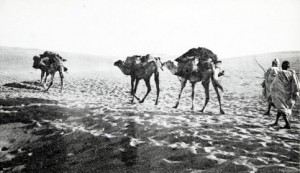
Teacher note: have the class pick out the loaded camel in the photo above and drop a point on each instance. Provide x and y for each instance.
(205, 71)
(141, 67)
(49, 63)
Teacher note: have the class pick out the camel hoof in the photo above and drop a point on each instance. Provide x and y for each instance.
(274, 124)
(267, 113)
(285, 127)
(221, 88)
(142, 101)
(175, 107)
(202, 110)
(222, 112)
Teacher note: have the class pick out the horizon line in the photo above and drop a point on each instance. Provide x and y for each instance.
(168, 55)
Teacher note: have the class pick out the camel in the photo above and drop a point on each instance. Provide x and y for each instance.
(49, 64)
(141, 67)
(205, 75)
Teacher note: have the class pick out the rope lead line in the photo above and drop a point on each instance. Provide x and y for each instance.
(260, 65)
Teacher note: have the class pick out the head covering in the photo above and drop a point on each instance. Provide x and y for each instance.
(285, 65)
(275, 62)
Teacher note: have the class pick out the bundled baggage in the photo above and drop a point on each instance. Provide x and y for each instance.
(196, 59)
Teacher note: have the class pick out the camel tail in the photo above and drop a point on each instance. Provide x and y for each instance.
(159, 63)
(217, 83)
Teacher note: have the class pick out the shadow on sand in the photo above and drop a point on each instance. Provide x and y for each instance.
(27, 143)
(30, 142)
(25, 85)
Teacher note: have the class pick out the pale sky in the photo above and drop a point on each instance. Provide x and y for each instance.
(167, 27)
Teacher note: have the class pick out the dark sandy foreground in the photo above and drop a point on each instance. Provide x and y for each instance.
(92, 127)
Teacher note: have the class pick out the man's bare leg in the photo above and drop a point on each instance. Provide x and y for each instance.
(277, 118)
(269, 109)
(287, 123)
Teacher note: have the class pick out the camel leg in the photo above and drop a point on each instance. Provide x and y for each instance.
(147, 82)
(183, 83)
(61, 80)
(218, 95)
(269, 108)
(132, 85)
(193, 95)
(45, 79)
(205, 84)
(51, 81)
(156, 78)
(134, 90)
(42, 76)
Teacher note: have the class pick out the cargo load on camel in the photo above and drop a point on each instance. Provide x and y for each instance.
(137, 61)
(195, 60)
(53, 57)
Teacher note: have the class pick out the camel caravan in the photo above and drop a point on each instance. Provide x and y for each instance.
(50, 63)
(198, 64)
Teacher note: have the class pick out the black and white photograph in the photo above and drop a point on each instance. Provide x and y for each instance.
(150, 86)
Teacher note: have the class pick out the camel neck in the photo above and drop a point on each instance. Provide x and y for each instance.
(124, 70)
(173, 68)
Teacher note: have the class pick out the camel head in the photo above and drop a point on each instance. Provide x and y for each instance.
(122, 67)
(36, 62)
(169, 64)
(40, 62)
(118, 63)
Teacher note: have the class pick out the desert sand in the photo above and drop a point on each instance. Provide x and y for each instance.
(92, 126)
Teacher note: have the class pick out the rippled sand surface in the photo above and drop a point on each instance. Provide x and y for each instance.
(92, 126)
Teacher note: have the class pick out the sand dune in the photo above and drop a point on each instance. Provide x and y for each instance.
(92, 126)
